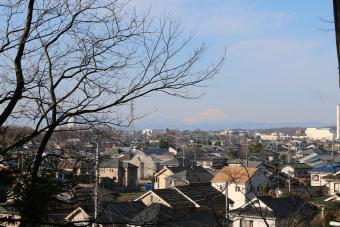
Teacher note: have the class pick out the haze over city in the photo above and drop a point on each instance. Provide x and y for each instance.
(177, 113)
(281, 67)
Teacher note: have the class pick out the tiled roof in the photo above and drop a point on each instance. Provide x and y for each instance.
(119, 212)
(326, 169)
(115, 163)
(160, 215)
(177, 169)
(110, 163)
(173, 197)
(298, 165)
(286, 206)
(280, 208)
(204, 195)
(234, 174)
(196, 174)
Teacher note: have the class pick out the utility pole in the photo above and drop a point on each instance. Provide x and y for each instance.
(227, 203)
(96, 188)
(183, 156)
(132, 121)
(278, 180)
(332, 154)
(195, 158)
(247, 149)
(289, 182)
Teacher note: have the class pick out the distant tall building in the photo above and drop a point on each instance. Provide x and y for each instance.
(338, 121)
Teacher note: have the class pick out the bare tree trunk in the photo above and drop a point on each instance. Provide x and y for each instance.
(20, 82)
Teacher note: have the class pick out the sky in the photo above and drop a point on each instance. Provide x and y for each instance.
(281, 67)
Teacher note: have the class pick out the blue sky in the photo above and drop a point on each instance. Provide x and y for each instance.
(281, 64)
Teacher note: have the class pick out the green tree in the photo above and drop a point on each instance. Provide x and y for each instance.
(332, 211)
(257, 148)
(163, 143)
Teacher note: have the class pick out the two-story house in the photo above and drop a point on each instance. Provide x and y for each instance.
(298, 170)
(195, 196)
(123, 173)
(179, 176)
(147, 164)
(274, 212)
(333, 183)
(318, 174)
(239, 183)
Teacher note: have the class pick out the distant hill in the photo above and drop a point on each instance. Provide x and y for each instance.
(231, 125)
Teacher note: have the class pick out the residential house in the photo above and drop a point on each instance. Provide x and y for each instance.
(309, 158)
(110, 214)
(170, 163)
(239, 183)
(123, 173)
(317, 160)
(160, 215)
(269, 211)
(318, 174)
(304, 153)
(195, 195)
(322, 201)
(211, 161)
(179, 176)
(261, 166)
(148, 165)
(333, 183)
(298, 170)
(235, 162)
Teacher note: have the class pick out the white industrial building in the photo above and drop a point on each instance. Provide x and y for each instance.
(271, 136)
(320, 133)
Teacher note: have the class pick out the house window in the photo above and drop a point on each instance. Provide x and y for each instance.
(237, 189)
(315, 178)
(337, 188)
(246, 223)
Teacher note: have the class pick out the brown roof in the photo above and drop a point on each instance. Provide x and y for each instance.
(234, 174)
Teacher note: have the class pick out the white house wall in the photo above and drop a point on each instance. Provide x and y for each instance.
(257, 222)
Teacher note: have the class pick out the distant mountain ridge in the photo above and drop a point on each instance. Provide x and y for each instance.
(232, 125)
